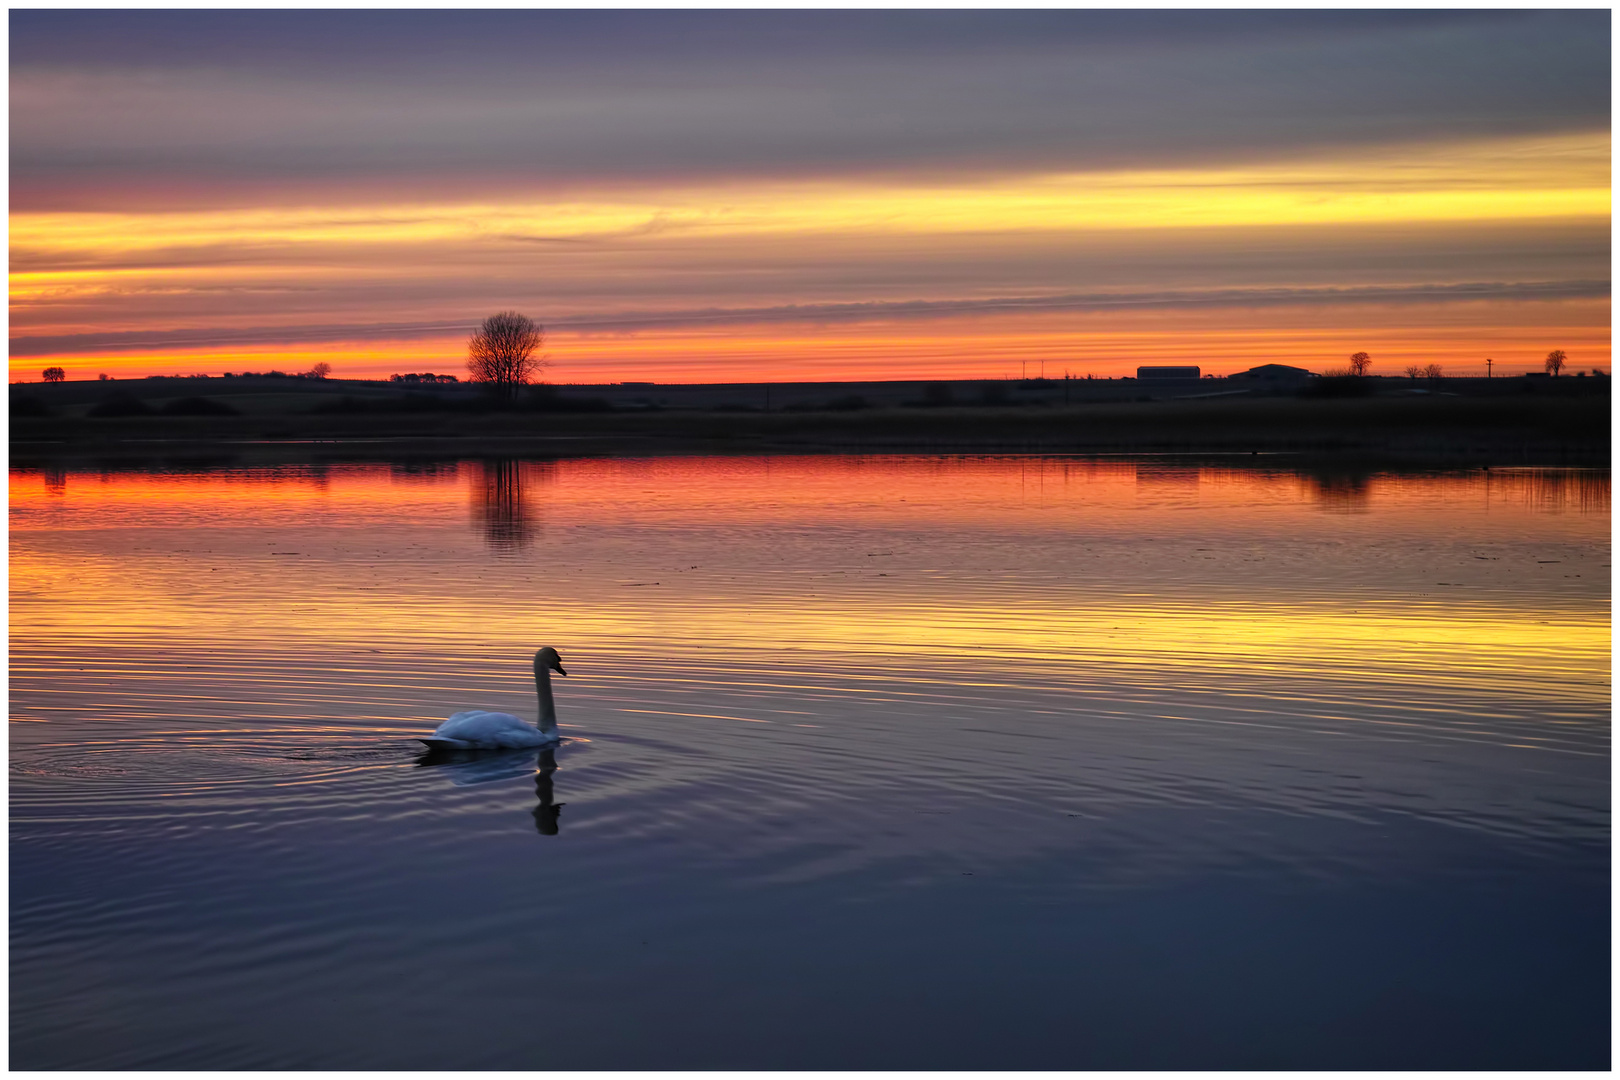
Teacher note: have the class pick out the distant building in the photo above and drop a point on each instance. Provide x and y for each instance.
(1167, 372)
(1276, 373)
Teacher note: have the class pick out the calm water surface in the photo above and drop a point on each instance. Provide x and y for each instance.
(870, 762)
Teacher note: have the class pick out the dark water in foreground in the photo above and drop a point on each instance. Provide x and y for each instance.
(989, 763)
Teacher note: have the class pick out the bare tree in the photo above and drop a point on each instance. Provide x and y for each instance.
(1432, 371)
(1555, 361)
(53, 374)
(1359, 363)
(1413, 371)
(321, 370)
(501, 353)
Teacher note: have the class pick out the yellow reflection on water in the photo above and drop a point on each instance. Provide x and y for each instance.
(1158, 571)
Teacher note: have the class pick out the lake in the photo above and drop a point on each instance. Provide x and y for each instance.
(870, 762)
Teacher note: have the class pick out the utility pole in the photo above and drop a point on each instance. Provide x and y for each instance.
(1487, 367)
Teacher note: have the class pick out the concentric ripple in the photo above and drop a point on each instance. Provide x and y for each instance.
(816, 707)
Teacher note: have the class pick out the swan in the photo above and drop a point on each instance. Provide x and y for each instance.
(476, 729)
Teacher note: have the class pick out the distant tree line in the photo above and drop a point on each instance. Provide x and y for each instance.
(1360, 363)
(501, 357)
(319, 371)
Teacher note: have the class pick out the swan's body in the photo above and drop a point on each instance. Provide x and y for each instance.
(476, 729)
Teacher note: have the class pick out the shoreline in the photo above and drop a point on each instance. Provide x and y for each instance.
(1417, 432)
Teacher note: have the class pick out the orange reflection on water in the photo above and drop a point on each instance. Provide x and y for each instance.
(1368, 601)
(914, 502)
(1032, 491)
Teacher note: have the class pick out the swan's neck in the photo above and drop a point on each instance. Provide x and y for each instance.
(548, 708)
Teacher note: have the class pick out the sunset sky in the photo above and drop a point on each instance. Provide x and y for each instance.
(785, 195)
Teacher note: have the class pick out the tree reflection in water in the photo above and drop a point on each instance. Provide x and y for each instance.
(1546, 490)
(499, 505)
(1339, 491)
(1551, 491)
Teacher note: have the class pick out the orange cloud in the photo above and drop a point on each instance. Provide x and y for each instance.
(1459, 336)
(373, 290)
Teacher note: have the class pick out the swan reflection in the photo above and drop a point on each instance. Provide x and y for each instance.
(466, 768)
(546, 811)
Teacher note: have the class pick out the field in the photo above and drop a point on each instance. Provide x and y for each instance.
(1508, 421)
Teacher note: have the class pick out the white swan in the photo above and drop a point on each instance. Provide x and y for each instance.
(476, 729)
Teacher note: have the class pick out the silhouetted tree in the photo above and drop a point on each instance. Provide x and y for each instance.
(54, 374)
(1413, 371)
(501, 354)
(1432, 371)
(1555, 361)
(320, 370)
(1359, 363)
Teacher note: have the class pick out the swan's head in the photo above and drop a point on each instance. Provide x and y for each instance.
(548, 660)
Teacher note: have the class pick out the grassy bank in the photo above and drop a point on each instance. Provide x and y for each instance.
(1524, 429)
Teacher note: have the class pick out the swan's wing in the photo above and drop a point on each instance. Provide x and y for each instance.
(473, 725)
(489, 729)
(469, 715)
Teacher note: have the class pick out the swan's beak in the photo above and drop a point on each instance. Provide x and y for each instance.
(558, 668)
